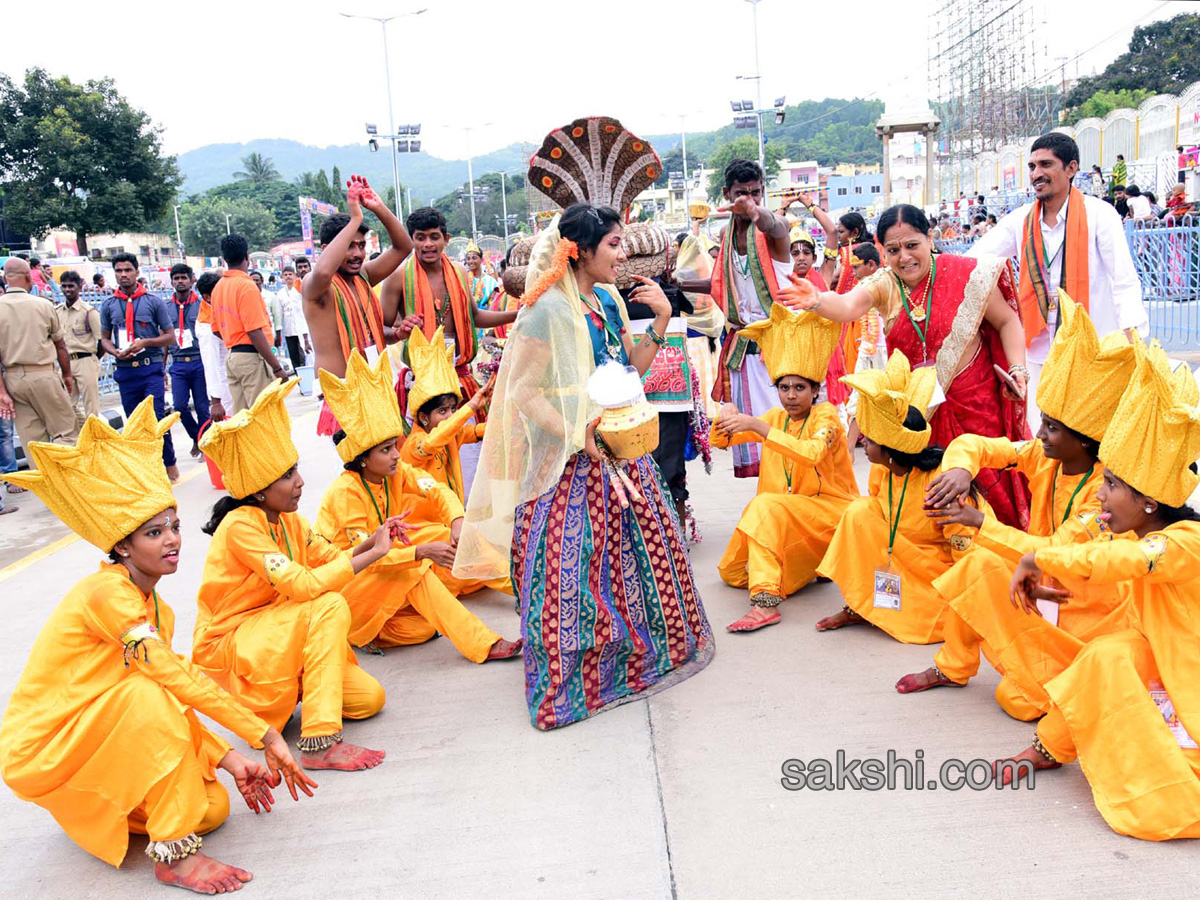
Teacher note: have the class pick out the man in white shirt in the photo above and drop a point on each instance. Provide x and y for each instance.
(295, 328)
(1109, 283)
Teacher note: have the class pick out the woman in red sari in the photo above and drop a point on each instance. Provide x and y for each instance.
(959, 315)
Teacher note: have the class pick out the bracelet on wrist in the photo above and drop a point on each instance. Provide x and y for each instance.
(655, 336)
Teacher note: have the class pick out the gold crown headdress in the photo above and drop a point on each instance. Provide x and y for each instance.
(1083, 378)
(254, 447)
(884, 396)
(364, 403)
(472, 247)
(433, 369)
(110, 483)
(1155, 434)
(795, 343)
(800, 233)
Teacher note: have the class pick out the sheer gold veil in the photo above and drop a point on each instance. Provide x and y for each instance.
(539, 413)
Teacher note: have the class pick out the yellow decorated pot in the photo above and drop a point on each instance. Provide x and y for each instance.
(630, 431)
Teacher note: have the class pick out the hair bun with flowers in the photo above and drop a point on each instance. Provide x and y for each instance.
(564, 251)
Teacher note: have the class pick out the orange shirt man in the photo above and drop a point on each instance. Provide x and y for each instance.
(240, 317)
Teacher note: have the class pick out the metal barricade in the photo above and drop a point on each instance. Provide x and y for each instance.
(1166, 254)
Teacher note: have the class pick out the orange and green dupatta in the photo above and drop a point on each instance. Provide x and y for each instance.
(419, 300)
(1033, 288)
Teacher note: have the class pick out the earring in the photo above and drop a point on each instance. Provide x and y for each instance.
(125, 555)
(1149, 510)
(261, 498)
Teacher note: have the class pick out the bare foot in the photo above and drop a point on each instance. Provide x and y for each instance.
(343, 757)
(1029, 754)
(923, 681)
(503, 649)
(202, 874)
(758, 617)
(173, 473)
(840, 620)
(9, 510)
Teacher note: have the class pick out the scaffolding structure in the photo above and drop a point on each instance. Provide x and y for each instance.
(990, 81)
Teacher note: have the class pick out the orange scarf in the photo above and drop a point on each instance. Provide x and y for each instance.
(419, 300)
(359, 316)
(1033, 289)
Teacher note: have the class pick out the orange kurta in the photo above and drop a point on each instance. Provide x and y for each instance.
(923, 551)
(271, 622)
(399, 599)
(1027, 650)
(438, 452)
(1143, 781)
(805, 482)
(91, 726)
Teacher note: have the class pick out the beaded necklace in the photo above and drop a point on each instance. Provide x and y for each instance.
(918, 312)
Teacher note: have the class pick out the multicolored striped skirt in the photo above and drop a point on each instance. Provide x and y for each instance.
(609, 610)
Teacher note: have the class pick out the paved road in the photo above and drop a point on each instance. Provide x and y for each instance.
(676, 797)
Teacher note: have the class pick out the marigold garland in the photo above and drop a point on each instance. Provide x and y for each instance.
(564, 251)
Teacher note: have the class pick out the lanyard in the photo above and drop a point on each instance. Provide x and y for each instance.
(387, 498)
(1078, 488)
(287, 543)
(154, 594)
(787, 472)
(894, 516)
(928, 302)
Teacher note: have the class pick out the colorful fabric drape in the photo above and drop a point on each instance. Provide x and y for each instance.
(1033, 289)
(609, 611)
(359, 316)
(419, 300)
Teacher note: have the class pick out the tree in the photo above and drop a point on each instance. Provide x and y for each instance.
(203, 222)
(281, 198)
(257, 169)
(79, 156)
(488, 213)
(1101, 103)
(1162, 57)
(747, 148)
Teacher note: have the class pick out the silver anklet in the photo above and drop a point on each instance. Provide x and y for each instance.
(167, 852)
(318, 744)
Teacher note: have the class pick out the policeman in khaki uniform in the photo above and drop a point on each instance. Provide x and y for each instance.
(31, 340)
(81, 332)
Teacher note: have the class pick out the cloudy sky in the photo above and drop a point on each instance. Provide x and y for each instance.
(222, 71)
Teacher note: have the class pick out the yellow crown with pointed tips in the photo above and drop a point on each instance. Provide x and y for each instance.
(1083, 377)
(110, 483)
(364, 404)
(254, 447)
(1155, 434)
(884, 396)
(800, 233)
(794, 343)
(432, 364)
(472, 247)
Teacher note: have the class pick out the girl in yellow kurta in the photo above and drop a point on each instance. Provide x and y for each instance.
(1128, 707)
(101, 730)
(886, 551)
(440, 429)
(806, 478)
(271, 626)
(1081, 384)
(399, 600)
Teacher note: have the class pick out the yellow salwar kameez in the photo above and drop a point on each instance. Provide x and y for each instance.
(101, 730)
(437, 454)
(1027, 650)
(272, 627)
(805, 482)
(1143, 781)
(399, 600)
(923, 550)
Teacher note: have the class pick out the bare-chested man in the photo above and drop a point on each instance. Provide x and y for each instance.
(343, 313)
(431, 290)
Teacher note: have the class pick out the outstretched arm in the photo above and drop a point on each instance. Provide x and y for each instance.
(847, 307)
(387, 262)
(317, 282)
(494, 318)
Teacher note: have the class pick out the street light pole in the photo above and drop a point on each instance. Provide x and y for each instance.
(471, 175)
(227, 231)
(178, 235)
(387, 74)
(762, 156)
(504, 202)
(687, 189)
